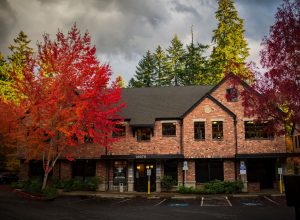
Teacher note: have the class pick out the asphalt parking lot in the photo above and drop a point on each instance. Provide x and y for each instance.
(204, 207)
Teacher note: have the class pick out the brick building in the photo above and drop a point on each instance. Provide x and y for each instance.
(202, 127)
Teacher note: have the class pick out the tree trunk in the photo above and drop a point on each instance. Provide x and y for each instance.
(45, 180)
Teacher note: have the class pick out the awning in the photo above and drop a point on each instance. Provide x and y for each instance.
(142, 156)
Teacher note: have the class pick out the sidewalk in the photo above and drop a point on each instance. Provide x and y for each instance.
(156, 195)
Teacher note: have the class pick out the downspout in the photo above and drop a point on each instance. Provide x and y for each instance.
(236, 147)
(181, 149)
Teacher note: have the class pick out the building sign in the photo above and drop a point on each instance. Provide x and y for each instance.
(185, 165)
(242, 168)
(148, 172)
(280, 170)
(141, 156)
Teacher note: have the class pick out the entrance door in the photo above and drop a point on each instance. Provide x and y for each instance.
(141, 178)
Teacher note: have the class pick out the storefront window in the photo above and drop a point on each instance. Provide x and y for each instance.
(119, 172)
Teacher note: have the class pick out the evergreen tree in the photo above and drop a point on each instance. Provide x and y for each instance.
(230, 47)
(176, 54)
(161, 67)
(20, 51)
(144, 73)
(195, 64)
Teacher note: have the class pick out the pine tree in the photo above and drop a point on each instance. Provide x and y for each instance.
(176, 55)
(20, 51)
(195, 64)
(161, 67)
(230, 47)
(144, 73)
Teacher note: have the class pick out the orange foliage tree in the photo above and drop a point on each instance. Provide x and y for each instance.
(65, 97)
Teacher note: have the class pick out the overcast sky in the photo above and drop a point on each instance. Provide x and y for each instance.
(123, 30)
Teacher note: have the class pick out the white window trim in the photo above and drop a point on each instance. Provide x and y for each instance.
(199, 120)
(170, 121)
(217, 119)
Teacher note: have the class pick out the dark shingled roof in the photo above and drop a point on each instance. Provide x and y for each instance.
(144, 105)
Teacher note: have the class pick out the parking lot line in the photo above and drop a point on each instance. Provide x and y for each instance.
(271, 200)
(125, 200)
(202, 201)
(160, 202)
(228, 201)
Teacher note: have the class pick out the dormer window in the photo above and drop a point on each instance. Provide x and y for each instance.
(143, 134)
(119, 130)
(169, 129)
(232, 94)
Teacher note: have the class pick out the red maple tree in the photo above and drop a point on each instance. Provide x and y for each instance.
(278, 96)
(65, 99)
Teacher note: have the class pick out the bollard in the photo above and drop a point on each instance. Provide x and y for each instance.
(121, 187)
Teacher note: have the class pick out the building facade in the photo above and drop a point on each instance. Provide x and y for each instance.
(194, 134)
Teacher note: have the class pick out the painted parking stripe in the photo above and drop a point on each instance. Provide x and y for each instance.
(160, 202)
(228, 201)
(202, 201)
(124, 200)
(271, 200)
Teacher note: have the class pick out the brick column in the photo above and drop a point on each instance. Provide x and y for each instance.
(229, 170)
(24, 171)
(130, 180)
(190, 174)
(66, 170)
(101, 173)
(158, 176)
(180, 173)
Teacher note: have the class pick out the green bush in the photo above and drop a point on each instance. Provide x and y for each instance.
(167, 182)
(33, 186)
(214, 187)
(91, 183)
(50, 192)
(59, 184)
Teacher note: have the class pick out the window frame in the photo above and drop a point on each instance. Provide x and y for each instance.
(168, 132)
(116, 133)
(196, 131)
(139, 134)
(232, 94)
(217, 123)
(258, 131)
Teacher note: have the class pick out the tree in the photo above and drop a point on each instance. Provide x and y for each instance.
(161, 67)
(20, 51)
(64, 97)
(195, 72)
(144, 72)
(176, 55)
(120, 82)
(280, 84)
(230, 47)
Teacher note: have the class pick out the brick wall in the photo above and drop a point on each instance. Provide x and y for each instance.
(157, 144)
(209, 111)
(229, 173)
(277, 145)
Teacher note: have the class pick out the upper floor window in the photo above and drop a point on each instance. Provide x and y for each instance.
(232, 94)
(199, 130)
(143, 134)
(119, 130)
(217, 130)
(297, 141)
(169, 129)
(257, 130)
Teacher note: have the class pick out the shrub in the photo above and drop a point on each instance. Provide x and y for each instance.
(91, 183)
(167, 182)
(50, 192)
(186, 190)
(33, 186)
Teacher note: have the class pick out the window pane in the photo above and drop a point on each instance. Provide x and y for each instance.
(119, 172)
(199, 130)
(169, 129)
(143, 134)
(217, 130)
(84, 168)
(119, 131)
(257, 130)
(208, 170)
(171, 169)
(231, 95)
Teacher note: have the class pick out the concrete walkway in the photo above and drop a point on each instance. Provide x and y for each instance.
(155, 195)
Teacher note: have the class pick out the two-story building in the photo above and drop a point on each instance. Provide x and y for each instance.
(200, 128)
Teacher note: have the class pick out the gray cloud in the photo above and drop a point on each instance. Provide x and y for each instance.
(123, 30)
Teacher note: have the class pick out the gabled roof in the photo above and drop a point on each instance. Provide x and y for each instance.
(144, 105)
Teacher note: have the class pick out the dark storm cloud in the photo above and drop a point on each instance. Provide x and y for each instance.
(7, 20)
(123, 30)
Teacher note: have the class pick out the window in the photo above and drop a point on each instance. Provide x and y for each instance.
(297, 141)
(143, 134)
(119, 130)
(208, 170)
(171, 169)
(36, 168)
(217, 130)
(199, 130)
(232, 95)
(257, 130)
(119, 172)
(169, 129)
(83, 168)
